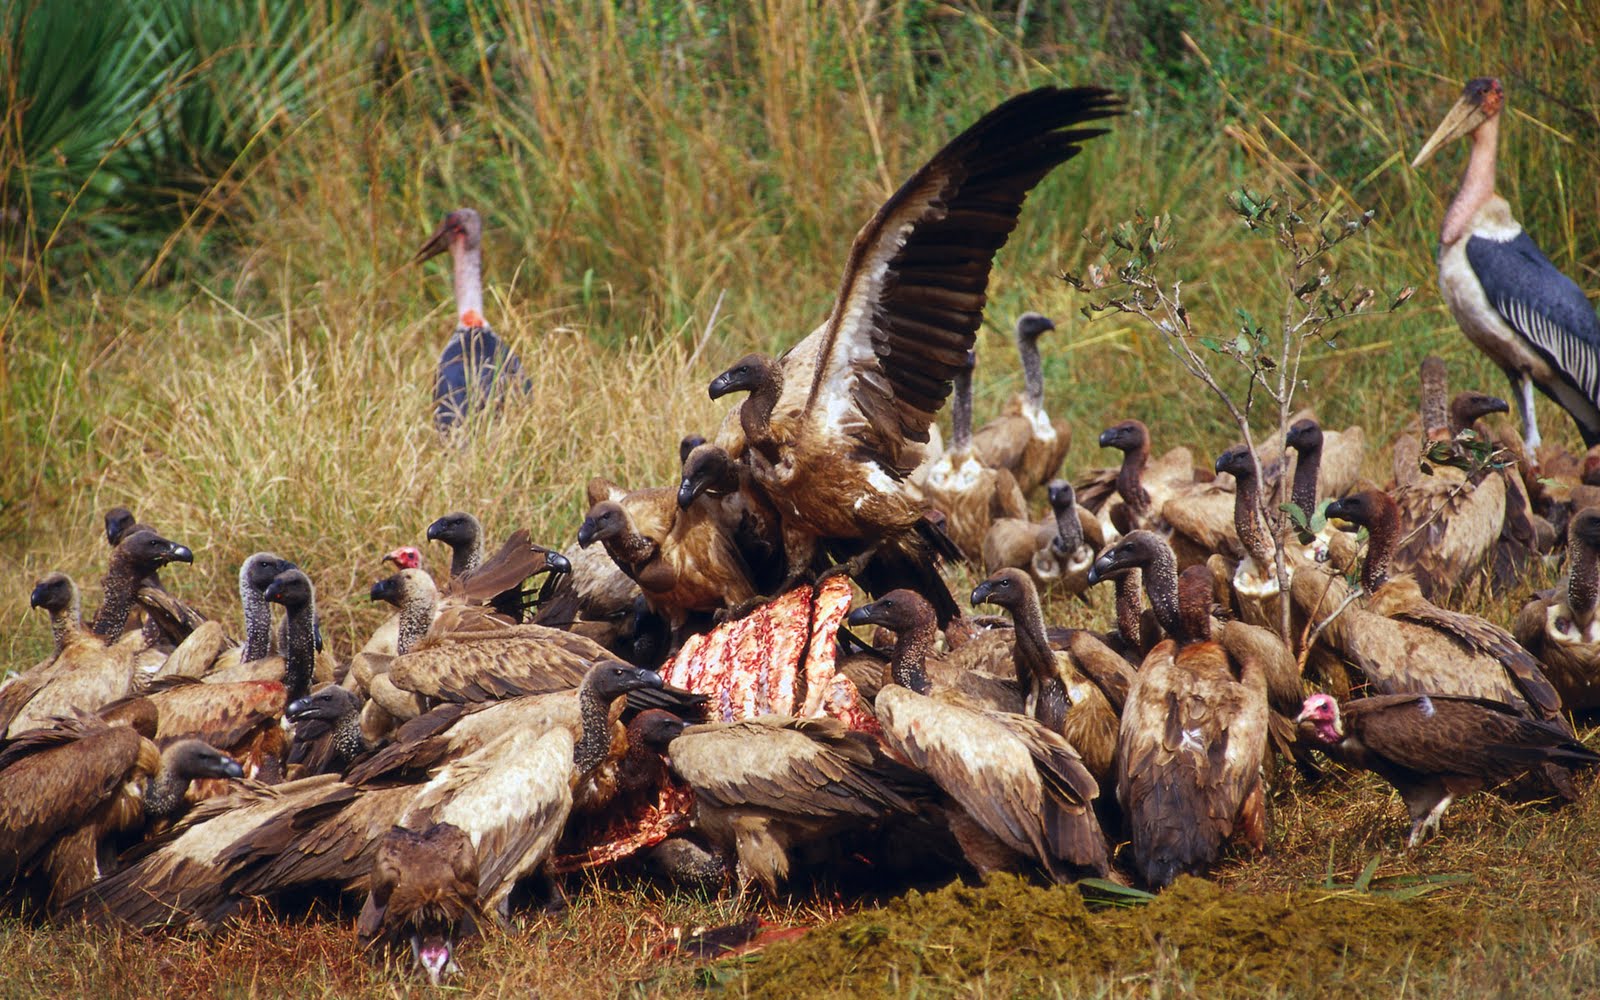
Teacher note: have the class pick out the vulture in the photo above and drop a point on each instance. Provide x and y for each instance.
(1509, 300)
(743, 510)
(241, 718)
(292, 589)
(475, 368)
(684, 559)
(86, 672)
(1190, 747)
(1434, 748)
(971, 493)
(498, 581)
(1561, 629)
(1142, 488)
(330, 733)
(1020, 791)
(1024, 440)
(424, 891)
(1405, 644)
(209, 651)
(469, 654)
(768, 786)
(136, 556)
(833, 430)
(67, 791)
(1056, 551)
(1073, 693)
(1326, 463)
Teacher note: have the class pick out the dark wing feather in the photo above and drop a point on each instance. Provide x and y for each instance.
(912, 295)
(1491, 640)
(1551, 313)
(1438, 734)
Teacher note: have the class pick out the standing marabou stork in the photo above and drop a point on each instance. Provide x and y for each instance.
(1507, 297)
(475, 365)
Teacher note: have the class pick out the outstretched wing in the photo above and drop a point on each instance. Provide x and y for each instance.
(912, 296)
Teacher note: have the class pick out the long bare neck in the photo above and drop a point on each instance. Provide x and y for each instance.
(1069, 530)
(66, 623)
(1032, 371)
(1583, 581)
(595, 743)
(1130, 608)
(118, 587)
(1306, 471)
(909, 667)
(1161, 583)
(632, 548)
(755, 416)
(1130, 478)
(1247, 519)
(469, 285)
(1477, 184)
(961, 414)
(164, 792)
(1033, 653)
(257, 623)
(1380, 550)
(1435, 407)
(299, 650)
(468, 557)
(416, 617)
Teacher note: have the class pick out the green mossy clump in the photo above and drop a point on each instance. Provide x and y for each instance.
(1011, 937)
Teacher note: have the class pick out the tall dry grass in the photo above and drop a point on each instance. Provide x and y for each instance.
(667, 186)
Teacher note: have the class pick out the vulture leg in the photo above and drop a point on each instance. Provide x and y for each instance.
(1426, 802)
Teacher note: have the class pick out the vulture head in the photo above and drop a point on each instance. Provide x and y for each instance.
(606, 520)
(1481, 100)
(145, 552)
(461, 230)
(403, 586)
(1468, 407)
(748, 374)
(1305, 435)
(656, 728)
(199, 759)
(688, 444)
(1585, 528)
(1370, 509)
(612, 679)
(405, 557)
(1128, 436)
(423, 890)
(1061, 494)
(291, 588)
(1236, 462)
(329, 703)
(1009, 588)
(458, 529)
(1032, 325)
(706, 469)
(1321, 713)
(898, 611)
(1135, 550)
(118, 522)
(57, 593)
(258, 571)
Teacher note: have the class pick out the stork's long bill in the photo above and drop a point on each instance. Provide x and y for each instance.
(1480, 102)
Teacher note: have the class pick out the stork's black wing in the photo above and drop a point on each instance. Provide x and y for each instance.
(1550, 312)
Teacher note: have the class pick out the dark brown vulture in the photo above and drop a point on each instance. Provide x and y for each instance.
(833, 430)
(136, 556)
(1560, 627)
(1435, 748)
(1020, 792)
(424, 892)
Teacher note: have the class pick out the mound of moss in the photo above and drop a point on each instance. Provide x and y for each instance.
(1010, 937)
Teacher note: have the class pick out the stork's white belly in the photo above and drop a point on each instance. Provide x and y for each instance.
(1474, 313)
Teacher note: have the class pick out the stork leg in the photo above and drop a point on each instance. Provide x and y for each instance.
(1522, 388)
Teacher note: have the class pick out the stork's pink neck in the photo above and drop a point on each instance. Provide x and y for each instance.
(469, 283)
(1477, 184)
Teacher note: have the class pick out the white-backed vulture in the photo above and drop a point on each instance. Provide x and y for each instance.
(500, 580)
(1067, 694)
(767, 786)
(425, 893)
(67, 790)
(1405, 644)
(136, 556)
(1056, 551)
(1325, 463)
(833, 445)
(1021, 792)
(1435, 748)
(1024, 440)
(1190, 748)
(330, 731)
(713, 478)
(1142, 487)
(298, 641)
(971, 493)
(1560, 627)
(209, 651)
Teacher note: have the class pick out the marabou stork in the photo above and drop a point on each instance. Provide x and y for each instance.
(475, 365)
(1507, 297)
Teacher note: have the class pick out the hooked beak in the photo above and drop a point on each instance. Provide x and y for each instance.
(688, 490)
(586, 532)
(297, 708)
(232, 768)
(387, 589)
(981, 593)
(1102, 569)
(180, 553)
(861, 616)
(1105, 439)
(721, 386)
(437, 244)
(1461, 120)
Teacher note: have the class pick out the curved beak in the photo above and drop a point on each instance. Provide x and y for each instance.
(297, 708)
(1461, 120)
(861, 616)
(651, 679)
(437, 244)
(386, 589)
(586, 532)
(722, 385)
(1102, 569)
(981, 593)
(36, 598)
(180, 553)
(1105, 439)
(231, 768)
(688, 490)
(1338, 510)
